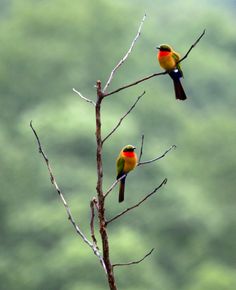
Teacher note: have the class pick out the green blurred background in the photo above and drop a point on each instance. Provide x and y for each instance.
(49, 47)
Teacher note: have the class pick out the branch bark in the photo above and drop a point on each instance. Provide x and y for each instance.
(100, 195)
(93, 203)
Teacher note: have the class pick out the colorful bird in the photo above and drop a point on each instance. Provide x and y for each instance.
(126, 161)
(168, 60)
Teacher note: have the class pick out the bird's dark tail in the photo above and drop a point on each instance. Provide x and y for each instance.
(122, 190)
(179, 91)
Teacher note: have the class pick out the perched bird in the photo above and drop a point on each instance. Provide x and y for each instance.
(126, 161)
(168, 60)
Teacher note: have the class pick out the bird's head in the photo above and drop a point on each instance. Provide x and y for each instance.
(128, 148)
(164, 47)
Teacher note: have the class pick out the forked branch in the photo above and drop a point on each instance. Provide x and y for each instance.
(154, 159)
(126, 55)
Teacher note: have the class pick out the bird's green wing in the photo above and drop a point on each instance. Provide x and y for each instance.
(120, 165)
(176, 57)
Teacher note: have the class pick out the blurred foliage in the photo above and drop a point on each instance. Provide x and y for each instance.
(49, 47)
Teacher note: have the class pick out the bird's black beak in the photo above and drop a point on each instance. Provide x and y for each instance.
(157, 47)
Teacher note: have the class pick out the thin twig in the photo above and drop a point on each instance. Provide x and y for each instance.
(141, 149)
(92, 204)
(113, 185)
(84, 98)
(192, 46)
(138, 203)
(70, 217)
(134, 262)
(126, 55)
(135, 83)
(122, 118)
(157, 158)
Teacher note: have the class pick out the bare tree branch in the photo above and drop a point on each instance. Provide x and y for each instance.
(157, 158)
(70, 217)
(126, 55)
(100, 195)
(93, 203)
(99, 202)
(134, 262)
(84, 98)
(192, 46)
(138, 203)
(122, 118)
(141, 149)
(135, 83)
(113, 185)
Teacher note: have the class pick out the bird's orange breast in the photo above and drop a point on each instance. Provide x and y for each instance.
(130, 161)
(166, 60)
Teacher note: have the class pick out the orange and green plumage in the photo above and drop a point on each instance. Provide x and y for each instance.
(168, 59)
(126, 161)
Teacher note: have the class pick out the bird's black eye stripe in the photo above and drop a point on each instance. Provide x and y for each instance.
(128, 149)
(165, 49)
